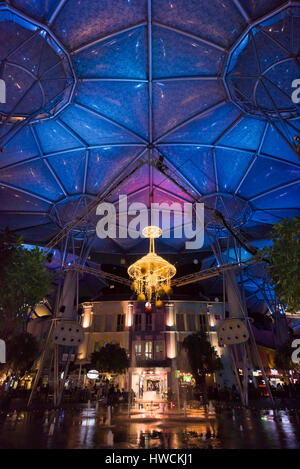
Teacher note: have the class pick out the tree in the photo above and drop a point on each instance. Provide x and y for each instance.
(283, 261)
(203, 358)
(22, 351)
(111, 358)
(24, 281)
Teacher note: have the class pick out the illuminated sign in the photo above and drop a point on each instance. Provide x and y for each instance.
(187, 379)
(93, 374)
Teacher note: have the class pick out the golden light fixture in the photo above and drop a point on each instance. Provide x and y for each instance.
(151, 274)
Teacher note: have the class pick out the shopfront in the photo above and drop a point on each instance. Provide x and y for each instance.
(150, 384)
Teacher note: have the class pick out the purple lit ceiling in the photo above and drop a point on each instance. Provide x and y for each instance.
(93, 84)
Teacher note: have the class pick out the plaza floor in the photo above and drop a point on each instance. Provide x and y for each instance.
(146, 426)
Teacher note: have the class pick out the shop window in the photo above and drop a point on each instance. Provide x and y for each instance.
(191, 322)
(108, 323)
(148, 322)
(148, 350)
(121, 322)
(180, 322)
(138, 322)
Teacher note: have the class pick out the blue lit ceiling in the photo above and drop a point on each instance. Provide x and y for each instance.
(93, 85)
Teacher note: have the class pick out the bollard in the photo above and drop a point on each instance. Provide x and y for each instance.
(109, 415)
(46, 418)
(110, 438)
(51, 429)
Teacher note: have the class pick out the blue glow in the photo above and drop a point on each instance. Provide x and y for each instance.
(125, 103)
(221, 143)
(123, 56)
(169, 54)
(175, 102)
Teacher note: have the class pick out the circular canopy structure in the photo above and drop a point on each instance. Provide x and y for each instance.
(205, 86)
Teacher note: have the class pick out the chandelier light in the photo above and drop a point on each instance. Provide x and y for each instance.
(151, 274)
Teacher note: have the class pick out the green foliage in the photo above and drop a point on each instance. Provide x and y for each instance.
(22, 351)
(283, 259)
(202, 356)
(24, 281)
(283, 358)
(111, 358)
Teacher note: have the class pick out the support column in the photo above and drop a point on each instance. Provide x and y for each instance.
(67, 300)
(129, 315)
(171, 350)
(87, 315)
(170, 314)
(129, 324)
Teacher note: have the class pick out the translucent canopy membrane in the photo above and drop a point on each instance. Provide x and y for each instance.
(184, 81)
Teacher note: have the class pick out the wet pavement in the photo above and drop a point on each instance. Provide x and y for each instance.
(146, 426)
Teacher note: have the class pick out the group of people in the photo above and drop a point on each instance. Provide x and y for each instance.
(280, 390)
(286, 390)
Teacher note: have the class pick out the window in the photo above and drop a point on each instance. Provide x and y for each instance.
(108, 323)
(203, 323)
(97, 323)
(148, 350)
(148, 322)
(120, 323)
(138, 322)
(138, 349)
(191, 322)
(180, 322)
(159, 321)
(159, 350)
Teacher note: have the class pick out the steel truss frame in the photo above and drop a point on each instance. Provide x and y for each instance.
(65, 237)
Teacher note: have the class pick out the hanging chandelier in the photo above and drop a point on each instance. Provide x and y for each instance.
(151, 274)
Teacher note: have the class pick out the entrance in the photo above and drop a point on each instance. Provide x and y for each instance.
(150, 385)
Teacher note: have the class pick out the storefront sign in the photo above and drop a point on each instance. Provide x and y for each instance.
(93, 374)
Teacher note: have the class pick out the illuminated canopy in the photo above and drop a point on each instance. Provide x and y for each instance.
(205, 85)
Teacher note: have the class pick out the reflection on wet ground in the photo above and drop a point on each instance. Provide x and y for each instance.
(146, 426)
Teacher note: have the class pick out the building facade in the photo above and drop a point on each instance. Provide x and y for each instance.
(152, 339)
